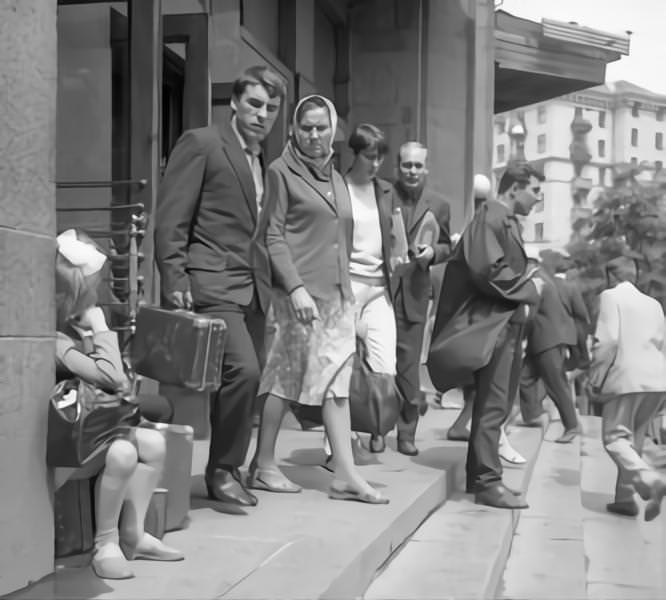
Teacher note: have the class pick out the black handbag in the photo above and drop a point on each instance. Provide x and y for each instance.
(83, 421)
(374, 401)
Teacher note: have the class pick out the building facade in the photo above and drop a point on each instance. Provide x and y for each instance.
(95, 94)
(578, 140)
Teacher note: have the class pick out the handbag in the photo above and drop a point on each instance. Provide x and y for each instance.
(462, 347)
(374, 401)
(83, 420)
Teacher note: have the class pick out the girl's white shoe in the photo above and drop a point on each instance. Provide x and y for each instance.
(507, 452)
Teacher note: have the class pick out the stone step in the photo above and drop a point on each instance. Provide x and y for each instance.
(461, 550)
(547, 559)
(291, 545)
(626, 557)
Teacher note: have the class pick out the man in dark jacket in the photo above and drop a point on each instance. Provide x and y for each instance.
(411, 284)
(487, 281)
(211, 254)
(551, 332)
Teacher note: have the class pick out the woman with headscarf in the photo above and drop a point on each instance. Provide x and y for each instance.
(311, 339)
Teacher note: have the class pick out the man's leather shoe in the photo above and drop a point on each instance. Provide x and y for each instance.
(407, 447)
(225, 486)
(377, 444)
(456, 435)
(499, 497)
(654, 496)
(568, 436)
(626, 508)
(508, 489)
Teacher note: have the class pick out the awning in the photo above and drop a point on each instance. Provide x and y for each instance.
(539, 61)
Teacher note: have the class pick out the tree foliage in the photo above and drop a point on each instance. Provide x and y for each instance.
(627, 219)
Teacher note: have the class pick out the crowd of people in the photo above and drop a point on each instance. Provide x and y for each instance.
(299, 260)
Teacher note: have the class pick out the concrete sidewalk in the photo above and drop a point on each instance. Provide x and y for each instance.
(291, 545)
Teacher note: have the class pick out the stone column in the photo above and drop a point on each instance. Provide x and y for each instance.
(27, 230)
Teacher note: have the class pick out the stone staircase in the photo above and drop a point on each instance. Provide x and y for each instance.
(564, 546)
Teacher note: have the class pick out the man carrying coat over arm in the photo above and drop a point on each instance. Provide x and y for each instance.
(211, 254)
(479, 325)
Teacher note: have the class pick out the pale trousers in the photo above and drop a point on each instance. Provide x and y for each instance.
(624, 423)
(376, 321)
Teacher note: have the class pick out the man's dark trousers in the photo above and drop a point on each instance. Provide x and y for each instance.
(231, 406)
(408, 364)
(549, 366)
(496, 387)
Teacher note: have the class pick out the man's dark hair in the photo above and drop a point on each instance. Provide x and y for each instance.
(621, 269)
(519, 173)
(260, 75)
(368, 137)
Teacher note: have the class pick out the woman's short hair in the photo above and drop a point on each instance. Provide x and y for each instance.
(75, 292)
(368, 137)
(310, 104)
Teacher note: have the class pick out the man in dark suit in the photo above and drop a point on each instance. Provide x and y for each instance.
(487, 281)
(411, 284)
(550, 333)
(211, 254)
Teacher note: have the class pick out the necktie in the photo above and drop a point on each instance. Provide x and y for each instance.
(257, 175)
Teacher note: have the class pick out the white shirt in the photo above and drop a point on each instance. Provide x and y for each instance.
(366, 255)
(255, 165)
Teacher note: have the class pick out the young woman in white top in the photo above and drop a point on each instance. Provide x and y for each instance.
(369, 268)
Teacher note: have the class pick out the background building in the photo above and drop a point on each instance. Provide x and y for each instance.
(578, 139)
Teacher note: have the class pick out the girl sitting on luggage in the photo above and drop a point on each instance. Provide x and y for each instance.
(131, 466)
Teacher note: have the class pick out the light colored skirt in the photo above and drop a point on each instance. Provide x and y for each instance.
(308, 363)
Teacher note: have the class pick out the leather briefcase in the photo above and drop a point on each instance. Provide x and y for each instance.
(179, 347)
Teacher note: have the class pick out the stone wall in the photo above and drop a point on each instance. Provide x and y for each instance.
(27, 229)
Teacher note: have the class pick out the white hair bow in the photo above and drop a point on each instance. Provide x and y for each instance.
(81, 254)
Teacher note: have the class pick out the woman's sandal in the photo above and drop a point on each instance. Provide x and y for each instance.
(271, 480)
(349, 494)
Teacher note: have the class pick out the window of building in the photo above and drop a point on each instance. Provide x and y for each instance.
(633, 160)
(501, 125)
(500, 153)
(578, 111)
(601, 148)
(541, 114)
(602, 175)
(635, 109)
(659, 140)
(634, 137)
(660, 114)
(602, 118)
(538, 232)
(541, 143)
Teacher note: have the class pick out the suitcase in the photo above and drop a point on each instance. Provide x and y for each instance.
(179, 347)
(155, 521)
(177, 475)
(73, 517)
